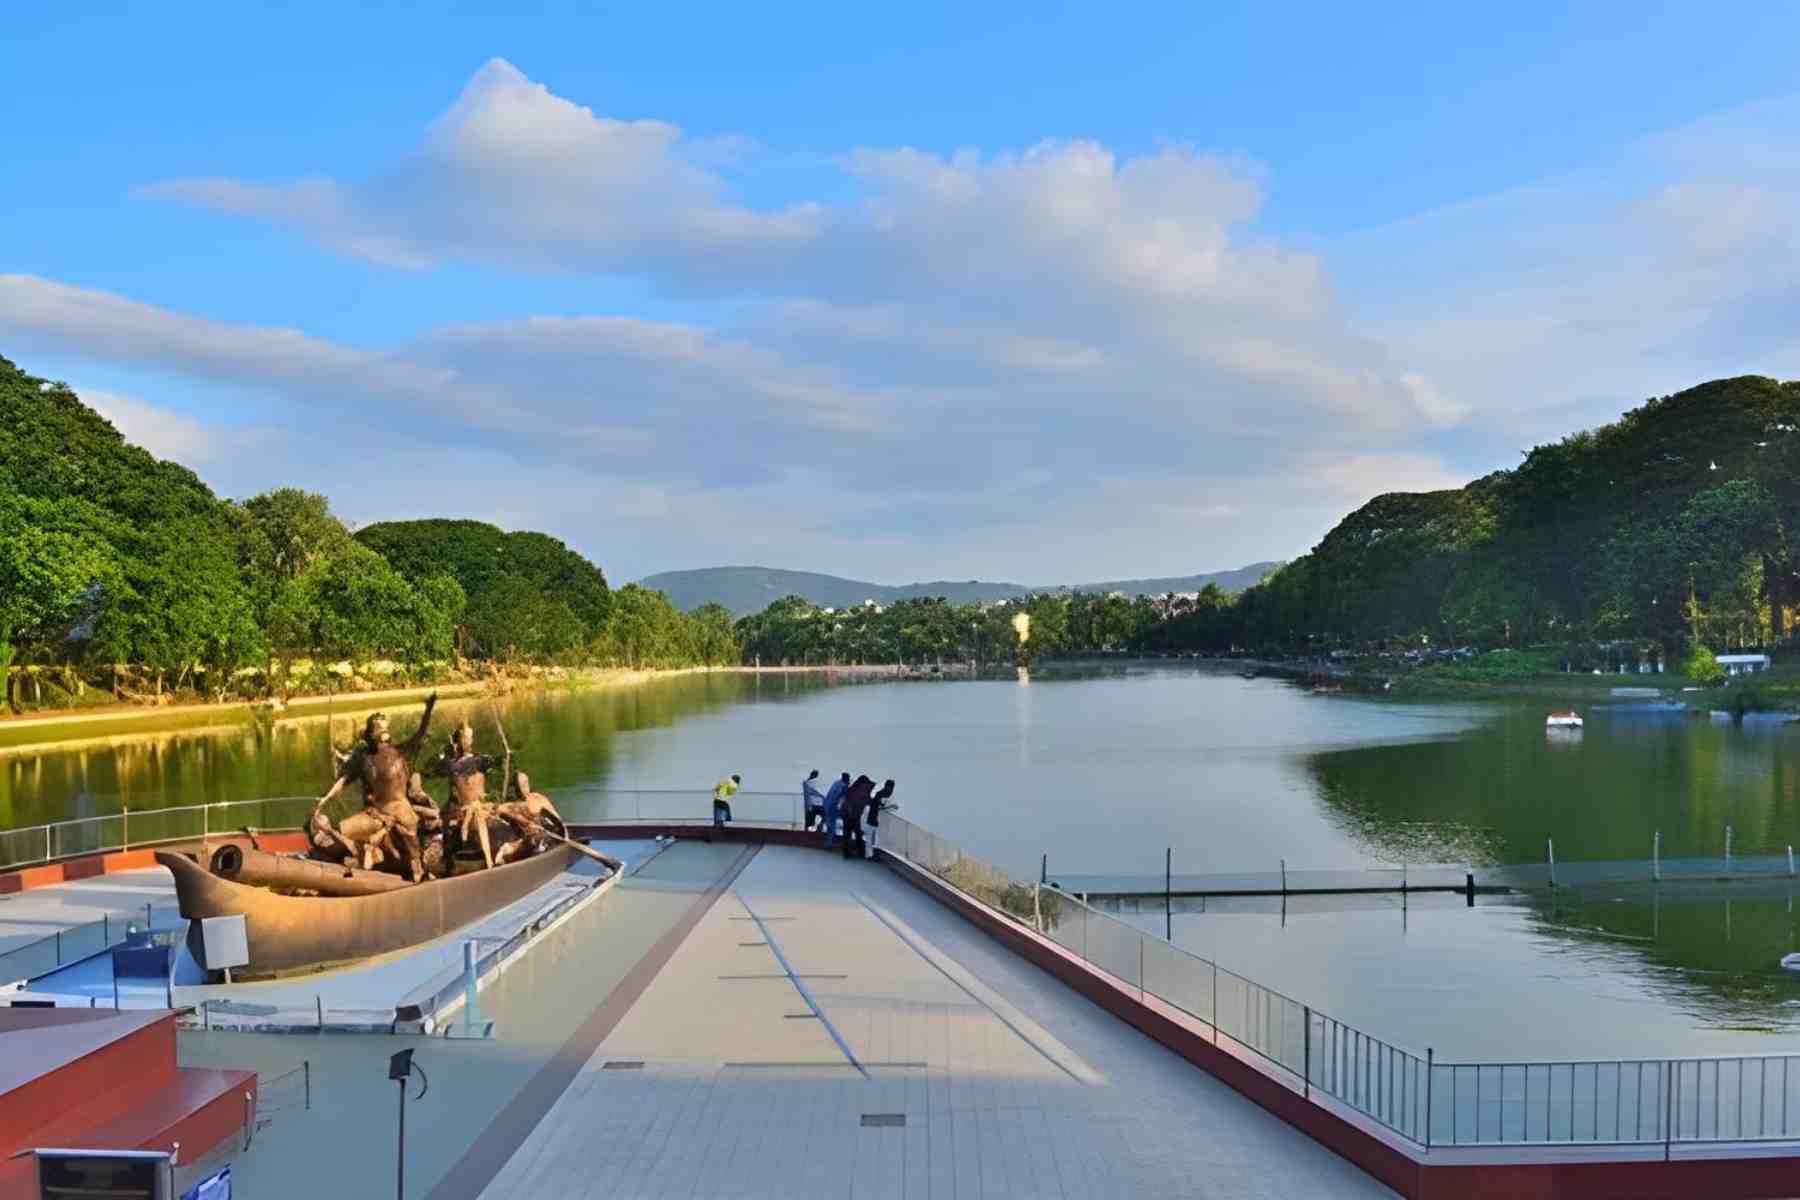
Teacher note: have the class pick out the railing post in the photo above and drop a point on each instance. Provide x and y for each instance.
(1669, 1106)
(47, 855)
(1215, 1002)
(306, 1077)
(1306, 1059)
(1728, 849)
(125, 829)
(1656, 857)
(1284, 876)
(1430, 1055)
(1551, 844)
(1790, 862)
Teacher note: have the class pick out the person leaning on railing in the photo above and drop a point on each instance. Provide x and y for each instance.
(722, 793)
(878, 803)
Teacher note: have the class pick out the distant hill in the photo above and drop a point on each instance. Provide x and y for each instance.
(746, 590)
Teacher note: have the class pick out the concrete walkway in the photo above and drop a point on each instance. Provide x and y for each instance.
(827, 1031)
(344, 1146)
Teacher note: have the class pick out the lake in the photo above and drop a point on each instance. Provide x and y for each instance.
(1101, 770)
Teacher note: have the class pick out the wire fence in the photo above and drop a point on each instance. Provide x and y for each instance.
(279, 1098)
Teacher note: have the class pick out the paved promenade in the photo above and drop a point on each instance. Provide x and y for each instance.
(827, 1031)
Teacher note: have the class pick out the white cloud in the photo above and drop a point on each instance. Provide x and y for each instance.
(980, 362)
(170, 434)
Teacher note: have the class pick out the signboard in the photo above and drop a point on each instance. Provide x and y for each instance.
(214, 1187)
(116, 1174)
(224, 941)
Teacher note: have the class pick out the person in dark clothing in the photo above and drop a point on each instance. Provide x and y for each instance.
(855, 802)
(834, 801)
(877, 803)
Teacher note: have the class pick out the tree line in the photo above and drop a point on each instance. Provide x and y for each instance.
(1666, 532)
(124, 572)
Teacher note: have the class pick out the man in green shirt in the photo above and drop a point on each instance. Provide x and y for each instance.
(721, 794)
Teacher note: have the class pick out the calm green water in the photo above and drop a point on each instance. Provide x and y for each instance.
(1102, 772)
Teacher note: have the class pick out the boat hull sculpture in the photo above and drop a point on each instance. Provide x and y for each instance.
(298, 933)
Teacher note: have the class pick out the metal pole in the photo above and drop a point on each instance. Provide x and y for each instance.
(47, 855)
(1284, 877)
(1656, 857)
(1728, 849)
(1168, 894)
(1306, 1077)
(125, 832)
(1669, 1105)
(1790, 862)
(1044, 867)
(400, 1158)
(1430, 1054)
(1551, 843)
(306, 1077)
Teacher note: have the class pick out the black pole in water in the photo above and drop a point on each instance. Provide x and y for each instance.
(1168, 893)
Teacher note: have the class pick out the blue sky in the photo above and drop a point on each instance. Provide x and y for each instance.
(1026, 292)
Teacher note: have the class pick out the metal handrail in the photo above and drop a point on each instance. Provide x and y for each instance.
(1427, 1102)
(44, 839)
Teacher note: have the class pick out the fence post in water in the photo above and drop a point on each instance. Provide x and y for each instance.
(1656, 857)
(1551, 844)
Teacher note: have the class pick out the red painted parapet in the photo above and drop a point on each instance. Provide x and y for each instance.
(87, 866)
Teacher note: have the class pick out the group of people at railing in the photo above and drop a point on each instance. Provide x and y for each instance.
(848, 813)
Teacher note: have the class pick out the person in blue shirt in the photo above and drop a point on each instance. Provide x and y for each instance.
(832, 798)
(812, 799)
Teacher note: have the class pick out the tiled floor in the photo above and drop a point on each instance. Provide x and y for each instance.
(819, 993)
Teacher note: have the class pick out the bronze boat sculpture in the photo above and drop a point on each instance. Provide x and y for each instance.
(294, 933)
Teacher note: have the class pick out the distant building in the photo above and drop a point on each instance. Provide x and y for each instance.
(1743, 664)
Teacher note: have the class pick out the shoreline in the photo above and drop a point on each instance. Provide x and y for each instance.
(77, 729)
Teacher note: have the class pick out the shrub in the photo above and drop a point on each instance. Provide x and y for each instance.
(1701, 667)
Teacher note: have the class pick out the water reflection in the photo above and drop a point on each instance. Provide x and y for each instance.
(1500, 791)
(567, 740)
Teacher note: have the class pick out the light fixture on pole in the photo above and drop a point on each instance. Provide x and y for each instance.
(400, 1068)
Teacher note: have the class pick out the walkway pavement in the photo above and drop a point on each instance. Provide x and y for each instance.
(827, 1031)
